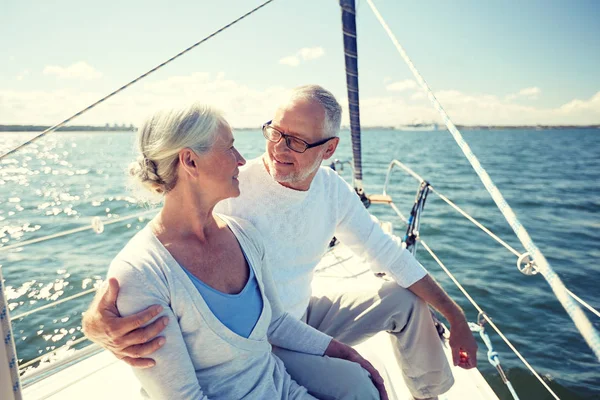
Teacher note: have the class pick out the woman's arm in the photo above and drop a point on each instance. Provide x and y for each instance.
(173, 376)
(286, 331)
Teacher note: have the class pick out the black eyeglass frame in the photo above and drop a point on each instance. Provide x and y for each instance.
(287, 138)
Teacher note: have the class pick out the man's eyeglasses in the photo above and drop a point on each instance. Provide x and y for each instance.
(298, 145)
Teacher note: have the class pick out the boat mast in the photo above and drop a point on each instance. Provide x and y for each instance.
(351, 59)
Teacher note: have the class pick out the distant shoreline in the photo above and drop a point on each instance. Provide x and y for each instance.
(129, 129)
(479, 127)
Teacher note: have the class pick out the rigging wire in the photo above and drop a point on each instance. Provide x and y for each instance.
(586, 305)
(474, 303)
(476, 223)
(53, 128)
(55, 303)
(62, 123)
(392, 205)
(72, 231)
(401, 216)
(409, 171)
(581, 321)
(79, 113)
(40, 358)
(506, 245)
(488, 319)
(492, 355)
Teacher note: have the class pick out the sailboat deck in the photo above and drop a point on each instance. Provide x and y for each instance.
(95, 374)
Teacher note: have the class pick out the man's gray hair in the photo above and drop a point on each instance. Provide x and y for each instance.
(333, 110)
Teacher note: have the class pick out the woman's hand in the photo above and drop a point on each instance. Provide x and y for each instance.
(340, 350)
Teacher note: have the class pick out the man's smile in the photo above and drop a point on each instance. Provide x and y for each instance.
(278, 161)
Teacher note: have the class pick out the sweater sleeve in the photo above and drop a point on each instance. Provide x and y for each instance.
(360, 231)
(173, 376)
(288, 332)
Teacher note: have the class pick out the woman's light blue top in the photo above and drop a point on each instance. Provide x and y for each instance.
(239, 312)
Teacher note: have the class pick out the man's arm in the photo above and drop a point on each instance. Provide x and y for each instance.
(363, 235)
(125, 337)
(462, 342)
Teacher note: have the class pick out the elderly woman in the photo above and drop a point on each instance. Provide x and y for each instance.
(208, 272)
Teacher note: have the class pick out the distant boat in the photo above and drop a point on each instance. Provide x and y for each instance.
(417, 127)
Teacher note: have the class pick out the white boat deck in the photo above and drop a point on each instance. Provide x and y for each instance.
(96, 374)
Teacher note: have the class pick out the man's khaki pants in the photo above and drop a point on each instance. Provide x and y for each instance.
(355, 315)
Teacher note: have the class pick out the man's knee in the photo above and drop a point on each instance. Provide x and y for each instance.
(393, 293)
(355, 384)
(328, 378)
(399, 299)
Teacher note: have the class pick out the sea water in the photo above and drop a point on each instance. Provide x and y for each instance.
(551, 178)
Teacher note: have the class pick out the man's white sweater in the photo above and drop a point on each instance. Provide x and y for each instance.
(297, 227)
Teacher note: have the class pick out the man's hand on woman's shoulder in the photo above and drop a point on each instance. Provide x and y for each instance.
(126, 337)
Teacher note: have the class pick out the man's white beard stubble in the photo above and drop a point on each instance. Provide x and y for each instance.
(300, 175)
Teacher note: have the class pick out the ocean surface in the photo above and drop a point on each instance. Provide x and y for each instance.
(550, 178)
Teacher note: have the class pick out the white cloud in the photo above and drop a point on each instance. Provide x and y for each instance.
(418, 96)
(401, 86)
(23, 74)
(530, 93)
(79, 70)
(248, 106)
(243, 106)
(475, 109)
(311, 53)
(292, 61)
(304, 54)
(582, 108)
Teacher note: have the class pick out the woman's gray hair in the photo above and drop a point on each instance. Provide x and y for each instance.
(162, 136)
(333, 110)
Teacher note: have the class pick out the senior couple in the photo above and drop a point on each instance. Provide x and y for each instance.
(217, 287)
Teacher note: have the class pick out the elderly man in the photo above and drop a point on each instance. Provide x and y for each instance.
(298, 206)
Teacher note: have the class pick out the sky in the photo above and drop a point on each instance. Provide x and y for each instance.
(489, 63)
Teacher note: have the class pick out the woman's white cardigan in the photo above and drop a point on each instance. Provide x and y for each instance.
(202, 358)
